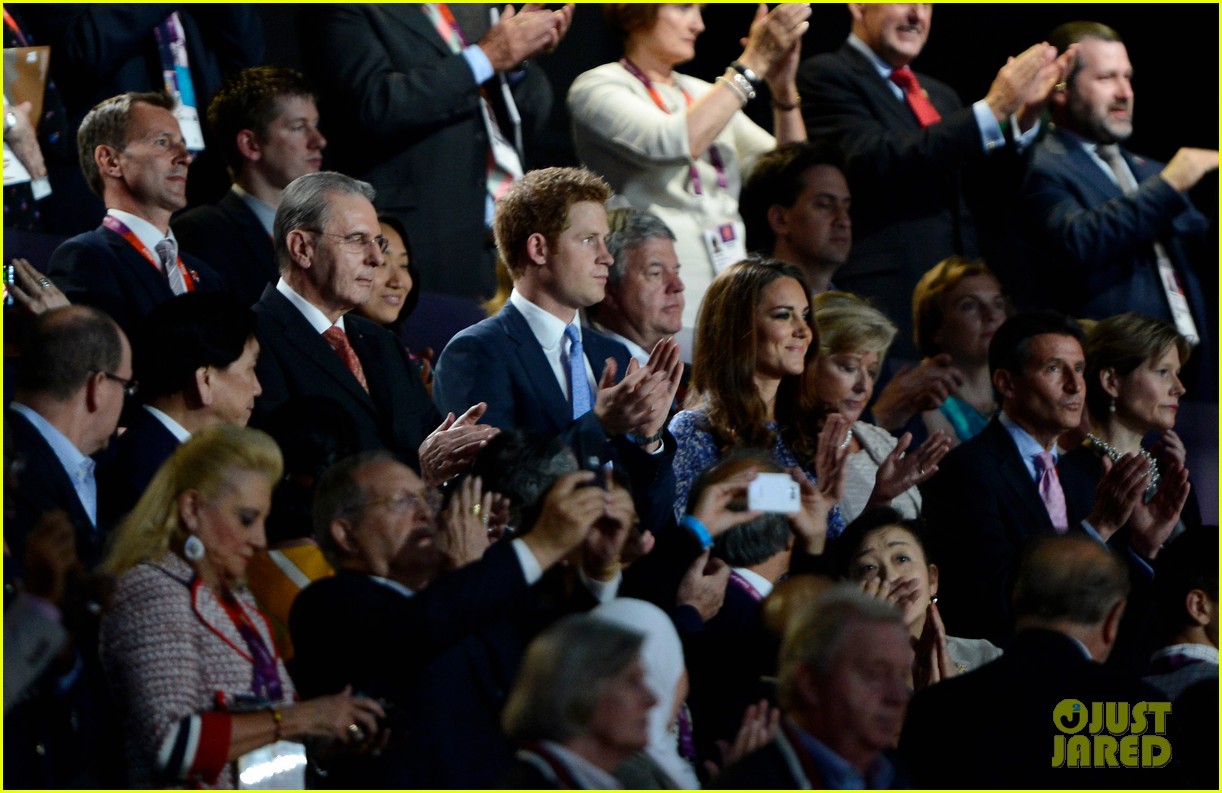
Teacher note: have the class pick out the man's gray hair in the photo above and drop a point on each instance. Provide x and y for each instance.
(338, 493)
(562, 677)
(631, 228)
(306, 202)
(813, 639)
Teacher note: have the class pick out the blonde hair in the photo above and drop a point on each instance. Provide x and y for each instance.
(205, 464)
(848, 323)
(928, 310)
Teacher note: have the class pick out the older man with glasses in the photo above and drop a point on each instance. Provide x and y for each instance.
(328, 246)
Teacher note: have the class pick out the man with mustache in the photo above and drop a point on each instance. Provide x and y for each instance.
(1007, 486)
(135, 159)
(1114, 223)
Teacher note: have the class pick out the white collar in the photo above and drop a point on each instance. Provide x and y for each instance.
(312, 313)
(761, 585)
(547, 328)
(175, 429)
(634, 349)
(146, 232)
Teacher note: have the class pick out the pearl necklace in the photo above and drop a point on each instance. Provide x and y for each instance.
(1114, 455)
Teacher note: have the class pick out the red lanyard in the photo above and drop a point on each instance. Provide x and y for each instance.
(714, 154)
(12, 25)
(119, 227)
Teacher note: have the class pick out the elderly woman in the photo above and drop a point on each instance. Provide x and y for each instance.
(884, 552)
(580, 706)
(751, 383)
(190, 657)
(957, 306)
(1133, 389)
(677, 146)
(853, 339)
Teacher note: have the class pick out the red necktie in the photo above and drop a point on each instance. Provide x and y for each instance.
(918, 100)
(343, 348)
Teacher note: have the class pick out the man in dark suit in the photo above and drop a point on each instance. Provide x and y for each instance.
(266, 124)
(1112, 226)
(908, 149)
(74, 372)
(996, 492)
(195, 360)
(135, 158)
(534, 365)
(1000, 725)
(843, 685)
(441, 648)
(423, 111)
(104, 50)
(327, 245)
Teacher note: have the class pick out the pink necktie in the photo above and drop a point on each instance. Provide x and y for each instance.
(1050, 491)
(339, 342)
(918, 100)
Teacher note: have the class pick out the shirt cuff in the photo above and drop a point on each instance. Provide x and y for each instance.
(481, 67)
(532, 571)
(1022, 140)
(603, 591)
(991, 133)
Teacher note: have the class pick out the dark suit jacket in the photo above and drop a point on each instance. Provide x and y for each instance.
(445, 658)
(998, 719)
(104, 50)
(403, 113)
(910, 207)
(129, 464)
(499, 361)
(983, 508)
(294, 359)
(1096, 254)
(99, 268)
(229, 237)
(42, 485)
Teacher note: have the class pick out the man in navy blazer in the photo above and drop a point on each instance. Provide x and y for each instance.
(328, 245)
(984, 506)
(551, 230)
(1100, 243)
(135, 158)
(59, 416)
(913, 204)
(267, 125)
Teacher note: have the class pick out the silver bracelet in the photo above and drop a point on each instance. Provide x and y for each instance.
(738, 94)
(742, 82)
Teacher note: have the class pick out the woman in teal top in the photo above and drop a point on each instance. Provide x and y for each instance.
(956, 308)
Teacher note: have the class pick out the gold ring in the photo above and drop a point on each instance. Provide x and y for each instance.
(476, 509)
(1061, 86)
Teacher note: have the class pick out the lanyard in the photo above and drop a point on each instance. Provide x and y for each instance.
(12, 25)
(742, 583)
(119, 227)
(714, 153)
(559, 771)
(266, 679)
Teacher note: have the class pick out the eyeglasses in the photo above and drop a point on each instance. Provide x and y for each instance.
(130, 386)
(403, 501)
(358, 242)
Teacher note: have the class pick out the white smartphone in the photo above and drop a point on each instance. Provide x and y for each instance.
(774, 493)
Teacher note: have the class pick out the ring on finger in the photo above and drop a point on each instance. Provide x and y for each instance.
(355, 732)
(45, 283)
(477, 509)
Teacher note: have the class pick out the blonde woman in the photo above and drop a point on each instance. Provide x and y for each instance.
(189, 656)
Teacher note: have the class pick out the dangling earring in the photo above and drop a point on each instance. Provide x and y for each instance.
(193, 548)
(1111, 407)
(934, 599)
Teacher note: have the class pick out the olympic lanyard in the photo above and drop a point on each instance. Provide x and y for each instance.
(742, 583)
(266, 679)
(119, 227)
(12, 25)
(714, 154)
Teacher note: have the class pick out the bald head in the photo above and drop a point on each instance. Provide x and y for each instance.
(1069, 580)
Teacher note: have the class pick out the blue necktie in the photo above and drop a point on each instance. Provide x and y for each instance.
(579, 386)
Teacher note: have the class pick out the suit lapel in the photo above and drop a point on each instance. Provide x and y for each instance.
(534, 365)
(412, 16)
(881, 96)
(145, 277)
(38, 452)
(299, 333)
(1092, 175)
(253, 236)
(1015, 478)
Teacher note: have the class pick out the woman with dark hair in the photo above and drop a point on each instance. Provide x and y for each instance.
(1133, 389)
(678, 146)
(396, 287)
(751, 383)
(957, 306)
(885, 553)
